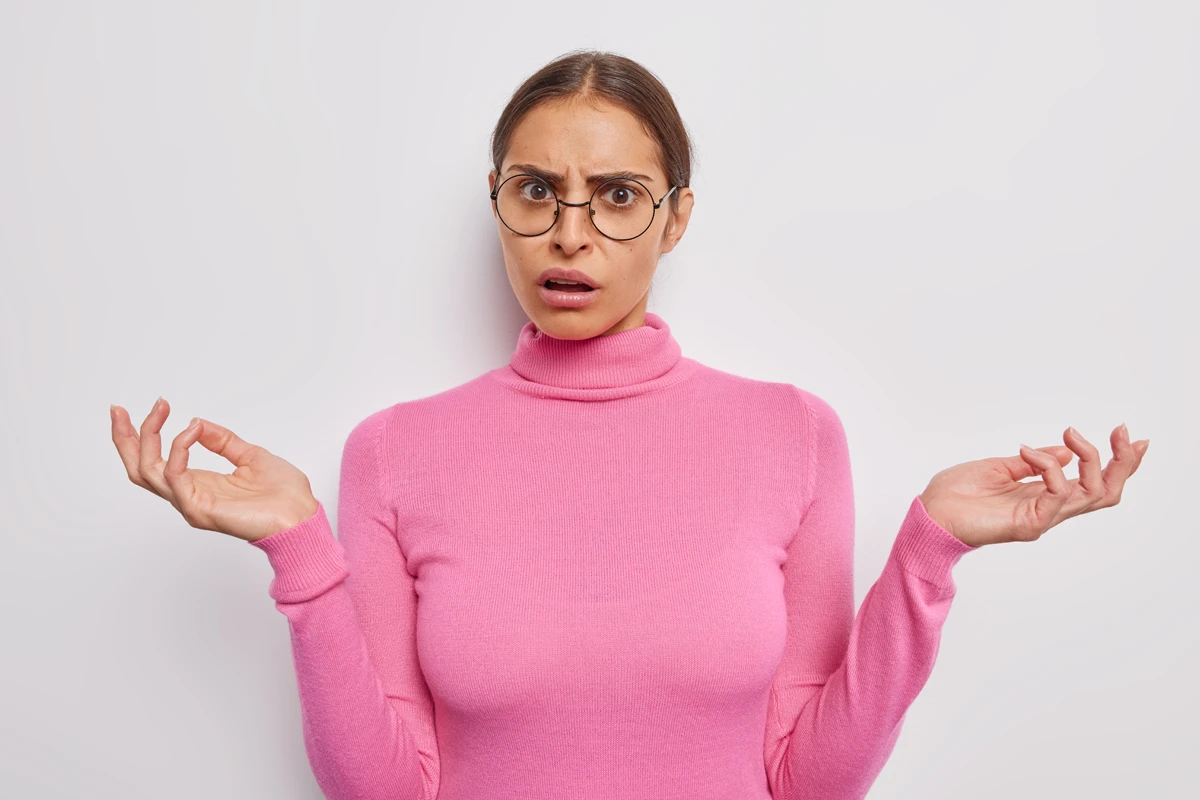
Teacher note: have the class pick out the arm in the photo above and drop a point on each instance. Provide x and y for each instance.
(351, 609)
(846, 681)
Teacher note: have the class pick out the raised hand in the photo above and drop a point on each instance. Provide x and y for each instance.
(987, 502)
(263, 495)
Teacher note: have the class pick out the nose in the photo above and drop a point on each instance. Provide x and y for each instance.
(573, 227)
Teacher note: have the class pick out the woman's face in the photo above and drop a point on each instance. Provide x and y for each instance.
(576, 140)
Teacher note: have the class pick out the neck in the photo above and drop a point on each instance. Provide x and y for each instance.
(630, 361)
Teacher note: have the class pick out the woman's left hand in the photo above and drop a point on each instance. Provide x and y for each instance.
(986, 502)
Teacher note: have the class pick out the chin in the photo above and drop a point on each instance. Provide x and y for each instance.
(568, 323)
(573, 323)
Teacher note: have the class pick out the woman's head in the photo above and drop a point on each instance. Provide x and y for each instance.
(585, 116)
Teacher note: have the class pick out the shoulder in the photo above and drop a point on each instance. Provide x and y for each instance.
(418, 425)
(787, 402)
(744, 390)
(420, 411)
(820, 416)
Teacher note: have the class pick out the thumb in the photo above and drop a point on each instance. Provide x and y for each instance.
(224, 442)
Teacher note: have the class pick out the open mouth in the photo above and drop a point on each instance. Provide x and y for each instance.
(570, 287)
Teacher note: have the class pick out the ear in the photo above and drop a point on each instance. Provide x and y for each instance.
(491, 186)
(677, 220)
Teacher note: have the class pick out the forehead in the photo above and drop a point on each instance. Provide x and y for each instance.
(583, 136)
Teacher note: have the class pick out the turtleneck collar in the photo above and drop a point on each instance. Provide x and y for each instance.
(629, 362)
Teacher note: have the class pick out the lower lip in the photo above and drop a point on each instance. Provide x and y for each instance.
(554, 297)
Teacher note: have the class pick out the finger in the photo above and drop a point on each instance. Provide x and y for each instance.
(1019, 469)
(226, 443)
(1091, 479)
(1058, 489)
(125, 437)
(1120, 467)
(1139, 447)
(1051, 471)
(150, 462)
(175, 471)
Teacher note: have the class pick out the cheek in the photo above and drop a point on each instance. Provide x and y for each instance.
(642, 258)
(520, 256)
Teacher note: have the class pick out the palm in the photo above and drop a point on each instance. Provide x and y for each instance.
(989, 501)
(247, 498)
(263, 495)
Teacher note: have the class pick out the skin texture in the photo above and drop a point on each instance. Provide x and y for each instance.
(987, 502)
(264, 494)
(981, 502)
(575, 138)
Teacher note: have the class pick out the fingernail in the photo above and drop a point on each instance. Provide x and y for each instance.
(193, 423)
(158, 402)
(1074, 432)
(1124, 432)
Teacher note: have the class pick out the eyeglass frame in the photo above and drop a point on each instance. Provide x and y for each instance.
(591, 211)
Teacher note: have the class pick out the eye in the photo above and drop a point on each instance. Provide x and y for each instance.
(620, 195)
(535, 190)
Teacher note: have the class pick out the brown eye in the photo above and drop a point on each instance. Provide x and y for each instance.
(620, 195)
(535, 190)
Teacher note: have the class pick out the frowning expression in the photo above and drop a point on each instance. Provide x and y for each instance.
(573, 146)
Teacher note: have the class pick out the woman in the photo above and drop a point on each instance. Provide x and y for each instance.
(604, 570)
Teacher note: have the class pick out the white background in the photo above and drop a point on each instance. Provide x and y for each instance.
(965, 225)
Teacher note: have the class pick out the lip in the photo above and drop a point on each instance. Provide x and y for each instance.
(559, 299)
(558, 273)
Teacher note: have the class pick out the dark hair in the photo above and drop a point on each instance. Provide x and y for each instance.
(589, 74)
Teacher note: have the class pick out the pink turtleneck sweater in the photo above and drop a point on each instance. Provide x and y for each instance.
(604, 571)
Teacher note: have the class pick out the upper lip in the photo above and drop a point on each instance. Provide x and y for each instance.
(558, 273)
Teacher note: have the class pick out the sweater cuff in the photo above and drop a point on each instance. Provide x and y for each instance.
(307, 559)
(926, 549)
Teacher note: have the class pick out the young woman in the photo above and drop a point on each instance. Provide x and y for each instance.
(604, 570)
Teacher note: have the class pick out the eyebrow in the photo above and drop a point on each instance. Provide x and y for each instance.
(556, 179)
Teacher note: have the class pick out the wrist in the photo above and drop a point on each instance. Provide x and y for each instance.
(301, 509)
(934, 512)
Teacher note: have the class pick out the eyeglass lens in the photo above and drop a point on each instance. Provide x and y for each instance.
(620, 208)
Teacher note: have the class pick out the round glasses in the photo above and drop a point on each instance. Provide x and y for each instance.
(621, 208)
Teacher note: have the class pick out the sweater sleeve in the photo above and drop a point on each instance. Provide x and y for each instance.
(351, 607)
(846, 681)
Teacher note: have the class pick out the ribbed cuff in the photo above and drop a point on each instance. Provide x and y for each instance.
(307, 559)
(926, 549)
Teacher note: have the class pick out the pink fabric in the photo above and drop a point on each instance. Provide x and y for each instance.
(604, 571)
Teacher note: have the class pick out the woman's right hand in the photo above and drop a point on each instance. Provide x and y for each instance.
(264, 495)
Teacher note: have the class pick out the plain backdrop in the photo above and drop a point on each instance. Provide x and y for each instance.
(965, 225)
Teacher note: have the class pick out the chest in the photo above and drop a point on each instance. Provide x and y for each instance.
(549, 574)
